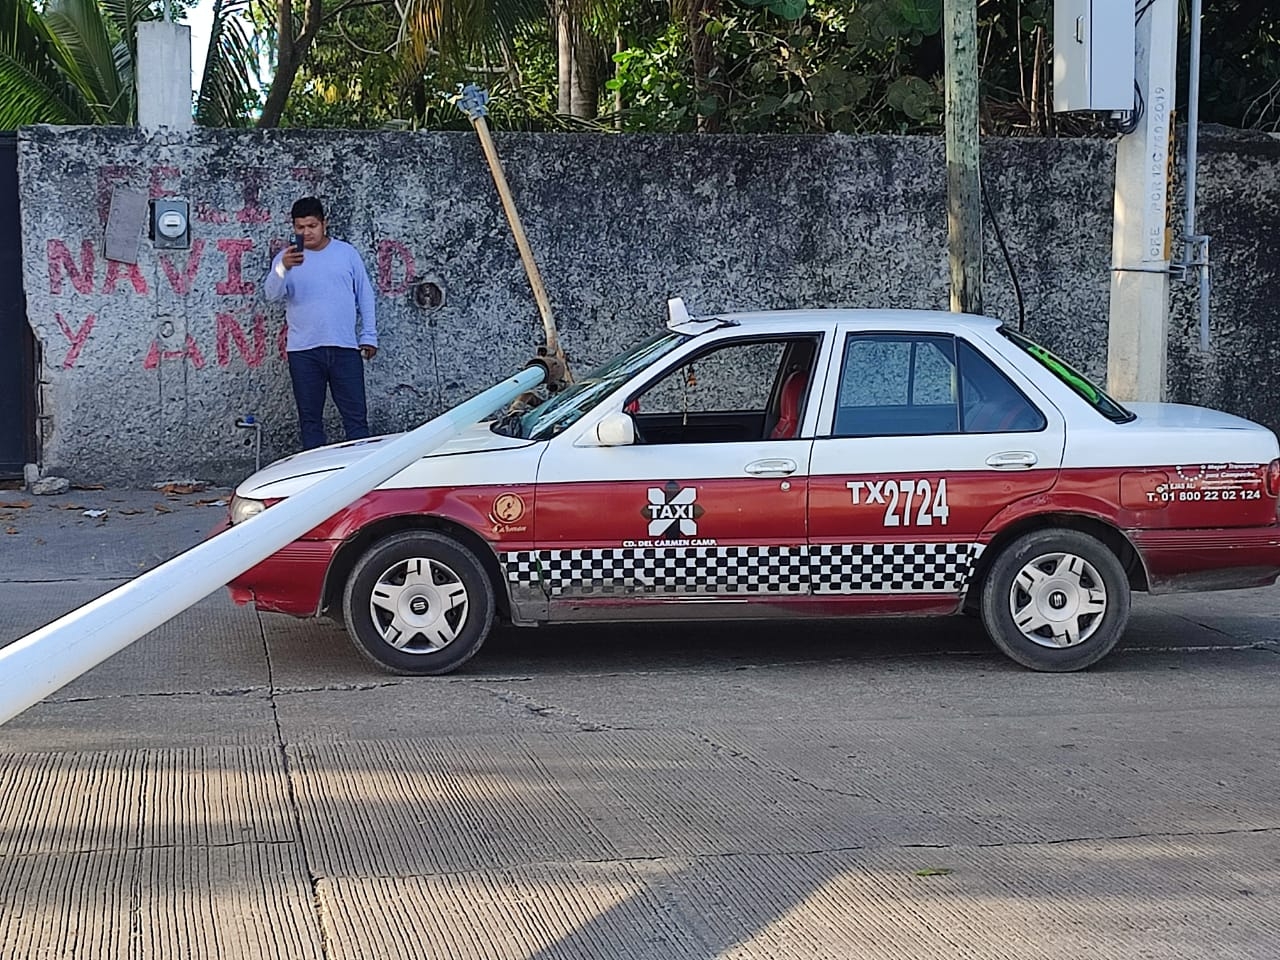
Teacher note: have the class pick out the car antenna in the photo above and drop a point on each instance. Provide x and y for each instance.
(474, 102)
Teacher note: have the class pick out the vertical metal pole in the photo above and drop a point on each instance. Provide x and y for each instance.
(964, 186)
(1196, 247)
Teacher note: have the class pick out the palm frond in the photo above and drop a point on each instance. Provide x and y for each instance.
(92, 39)
(125, 15)
(34, 88)
(457, 29)
(228, 87)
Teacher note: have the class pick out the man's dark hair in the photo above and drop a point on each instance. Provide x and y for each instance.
(307, 207)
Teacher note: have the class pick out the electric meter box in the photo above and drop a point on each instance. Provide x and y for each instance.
(1093, 55)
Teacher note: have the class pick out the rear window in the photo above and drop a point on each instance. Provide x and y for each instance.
(1090, 392)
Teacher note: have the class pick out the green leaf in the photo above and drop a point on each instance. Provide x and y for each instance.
(229, 86)
(788, 9)
(934, 872)
(38, 76)
(90, 39)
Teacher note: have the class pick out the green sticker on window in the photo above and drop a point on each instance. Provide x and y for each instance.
(1066, 373)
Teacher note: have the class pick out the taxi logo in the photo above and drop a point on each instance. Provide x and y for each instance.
(507, 508)
(673, 510)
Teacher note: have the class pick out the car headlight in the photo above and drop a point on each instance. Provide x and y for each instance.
(242, 508)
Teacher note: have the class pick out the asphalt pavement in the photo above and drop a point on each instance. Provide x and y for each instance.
(242, 785)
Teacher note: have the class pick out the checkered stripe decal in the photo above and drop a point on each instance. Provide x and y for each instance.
(891, 567)
(828, 569)
(658, 570)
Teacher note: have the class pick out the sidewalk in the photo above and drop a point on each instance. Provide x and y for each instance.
(55, 537)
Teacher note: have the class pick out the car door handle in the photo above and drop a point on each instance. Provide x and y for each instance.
(771, 468)
(1012, 460)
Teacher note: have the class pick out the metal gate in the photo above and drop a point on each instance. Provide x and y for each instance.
(17, 346)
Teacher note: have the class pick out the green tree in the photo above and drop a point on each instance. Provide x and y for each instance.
(384, 54)
(72, 61)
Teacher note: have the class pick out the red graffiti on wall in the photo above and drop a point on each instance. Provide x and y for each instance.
(60, 260)
(77, 339)
(388, 252)
(309, 177)
(253, 211)
(235, 284)
(77, 269)
(183, 282)
(189, 351)
(229, 330)
(131, 270)
(160, 175)
(208, 213)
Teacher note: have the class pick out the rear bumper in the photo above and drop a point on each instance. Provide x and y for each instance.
(1225, 559)
(289, 581)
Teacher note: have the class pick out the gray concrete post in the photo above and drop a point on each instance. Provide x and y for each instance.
(164, 75)
(1137, 344)
(964, 183)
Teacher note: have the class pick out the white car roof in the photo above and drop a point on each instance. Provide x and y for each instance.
(899, 319)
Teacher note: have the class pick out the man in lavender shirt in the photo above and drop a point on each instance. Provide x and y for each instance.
(322, 286)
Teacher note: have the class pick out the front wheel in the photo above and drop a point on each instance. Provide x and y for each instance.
(1056, 600)
(418, 603)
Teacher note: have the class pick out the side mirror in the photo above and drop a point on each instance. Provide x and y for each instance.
(617, 429)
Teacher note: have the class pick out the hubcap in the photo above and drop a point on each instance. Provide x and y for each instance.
(1058, 600)
(419, 605)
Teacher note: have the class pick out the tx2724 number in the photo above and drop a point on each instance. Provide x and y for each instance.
(909, 502)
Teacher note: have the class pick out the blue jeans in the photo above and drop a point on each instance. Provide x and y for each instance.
(340, 370)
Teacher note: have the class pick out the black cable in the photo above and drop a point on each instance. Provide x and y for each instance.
(1141, 11)
(1135, 117)
(1008, 260)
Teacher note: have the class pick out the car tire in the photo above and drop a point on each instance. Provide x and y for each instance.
(418, 603)
(1056, 600)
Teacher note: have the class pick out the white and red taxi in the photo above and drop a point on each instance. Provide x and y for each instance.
(804, 464)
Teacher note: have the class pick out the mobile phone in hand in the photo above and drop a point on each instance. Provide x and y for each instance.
(295, 241)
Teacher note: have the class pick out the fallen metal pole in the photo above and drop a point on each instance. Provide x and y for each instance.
(53, 656)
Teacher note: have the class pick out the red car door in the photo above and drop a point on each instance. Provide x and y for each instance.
(923, 439)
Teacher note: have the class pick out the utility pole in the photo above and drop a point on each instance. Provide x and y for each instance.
(1137, 342)
(964, 184)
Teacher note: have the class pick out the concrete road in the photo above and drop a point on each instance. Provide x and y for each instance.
(237, 785)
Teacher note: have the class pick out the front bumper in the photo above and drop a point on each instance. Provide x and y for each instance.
(289, 581)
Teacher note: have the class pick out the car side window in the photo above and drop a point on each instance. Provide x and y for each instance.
(992, 404)
(739, 391)
(736, 378)
(897, 385)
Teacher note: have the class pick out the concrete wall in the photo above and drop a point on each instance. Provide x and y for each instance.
(146, 367)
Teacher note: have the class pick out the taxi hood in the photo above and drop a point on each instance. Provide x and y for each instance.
(286, 477)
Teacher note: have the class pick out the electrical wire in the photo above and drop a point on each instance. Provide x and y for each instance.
(1008, 260)
(1130, 124)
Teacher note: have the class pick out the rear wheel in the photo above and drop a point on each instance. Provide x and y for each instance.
(1056, 600)
(418, 603)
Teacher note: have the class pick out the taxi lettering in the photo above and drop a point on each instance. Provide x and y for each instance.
(909, 502)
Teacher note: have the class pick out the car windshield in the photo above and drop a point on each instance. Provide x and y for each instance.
(566, 407)
(1094, 395)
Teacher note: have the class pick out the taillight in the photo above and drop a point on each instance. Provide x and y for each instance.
(1273, 478)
